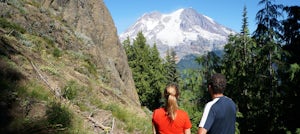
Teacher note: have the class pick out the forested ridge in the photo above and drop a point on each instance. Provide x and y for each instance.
(262, 69)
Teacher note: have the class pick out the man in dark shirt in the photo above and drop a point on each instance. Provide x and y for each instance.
(219, 114)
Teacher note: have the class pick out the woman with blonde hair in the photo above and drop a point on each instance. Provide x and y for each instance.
(170, 119)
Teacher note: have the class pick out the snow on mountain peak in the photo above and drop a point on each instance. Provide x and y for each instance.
(182, 28)
(171, 34)
(210, 19)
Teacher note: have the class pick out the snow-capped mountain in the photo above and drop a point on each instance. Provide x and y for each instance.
(184, 30)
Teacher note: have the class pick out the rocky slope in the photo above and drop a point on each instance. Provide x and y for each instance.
(65, 53)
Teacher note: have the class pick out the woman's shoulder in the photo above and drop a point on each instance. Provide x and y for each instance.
(161, 109)
(159, 112)
(182, 111)
(182, 114)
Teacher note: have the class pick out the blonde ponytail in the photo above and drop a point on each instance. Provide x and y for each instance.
(171, 95)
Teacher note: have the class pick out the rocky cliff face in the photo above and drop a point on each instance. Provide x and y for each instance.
(92, 21)
(53, 42)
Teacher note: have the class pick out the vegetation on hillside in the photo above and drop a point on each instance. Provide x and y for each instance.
(20, 94)
(46, 88)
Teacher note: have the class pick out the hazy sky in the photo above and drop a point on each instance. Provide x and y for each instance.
(226, 12)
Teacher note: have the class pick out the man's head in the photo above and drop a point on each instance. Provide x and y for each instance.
(217, 83)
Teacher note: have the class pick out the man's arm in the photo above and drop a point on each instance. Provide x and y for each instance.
(202, 130)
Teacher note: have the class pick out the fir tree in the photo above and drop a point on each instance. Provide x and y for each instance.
(172, 73)
(239, 66)
(267, 36)
(147, 70)
(291, 73)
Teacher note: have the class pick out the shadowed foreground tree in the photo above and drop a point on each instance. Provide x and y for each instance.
(270, 53)
(291, 73)
(262, 76)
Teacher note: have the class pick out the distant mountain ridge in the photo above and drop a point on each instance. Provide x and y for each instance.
(184, 30)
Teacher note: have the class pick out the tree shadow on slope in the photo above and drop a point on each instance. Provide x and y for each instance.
(13, 119)
(9, 79)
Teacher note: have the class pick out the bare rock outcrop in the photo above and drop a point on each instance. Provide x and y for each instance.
(92, 21)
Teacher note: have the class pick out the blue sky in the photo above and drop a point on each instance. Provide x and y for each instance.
(225, 12)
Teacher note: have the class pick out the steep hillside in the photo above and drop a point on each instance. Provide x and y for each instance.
(63, 69)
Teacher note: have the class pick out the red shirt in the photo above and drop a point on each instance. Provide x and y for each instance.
(164, 125)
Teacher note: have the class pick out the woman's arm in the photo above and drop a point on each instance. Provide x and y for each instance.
(153, 129)
(187, 131)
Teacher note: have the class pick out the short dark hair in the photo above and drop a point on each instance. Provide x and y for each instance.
(218, 83)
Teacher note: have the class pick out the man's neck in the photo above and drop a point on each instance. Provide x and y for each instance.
(217, 95)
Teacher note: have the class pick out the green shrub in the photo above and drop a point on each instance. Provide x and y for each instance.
(12, 26)
(34, 3)
(57, 52)
(49, 40)
(50, 70)
(70, 90)
(91, 67)
(58, 115)
(39, 94)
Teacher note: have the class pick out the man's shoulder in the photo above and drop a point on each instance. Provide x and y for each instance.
(212, 102)
(228, 99)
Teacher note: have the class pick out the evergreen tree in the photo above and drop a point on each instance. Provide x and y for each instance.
(172, 73)
(267, 36)
(158, 81)
(290, 74)
(129, 50)
(245, 30)
(291, 33)
(147, 70)
(195, 95)
(239, 64)
(252, 67)
(210, 64)
(191, 96)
